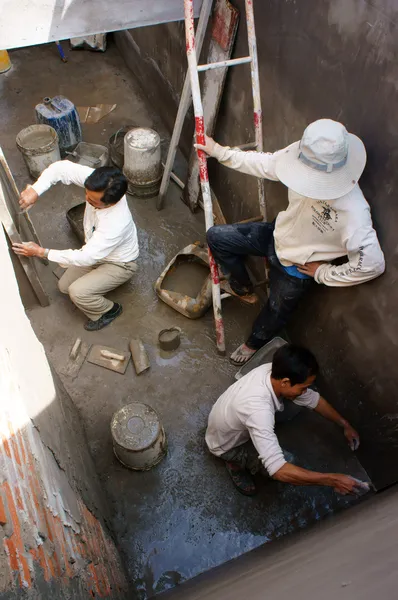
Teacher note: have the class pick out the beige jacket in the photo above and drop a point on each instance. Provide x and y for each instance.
(317, 230)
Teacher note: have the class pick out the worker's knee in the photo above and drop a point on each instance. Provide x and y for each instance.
(63, 286)
(214, 234)
(77, 292)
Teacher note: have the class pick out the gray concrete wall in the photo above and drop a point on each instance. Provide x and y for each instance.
(332, 59)
(54, 542)
(349, 556)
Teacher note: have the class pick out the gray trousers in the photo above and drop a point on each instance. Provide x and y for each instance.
(246, 455)
(86, 286)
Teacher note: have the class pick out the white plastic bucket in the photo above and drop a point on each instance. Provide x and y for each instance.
(39, 147)
(142, 161)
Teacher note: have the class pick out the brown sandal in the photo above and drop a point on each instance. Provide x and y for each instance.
(246, 299)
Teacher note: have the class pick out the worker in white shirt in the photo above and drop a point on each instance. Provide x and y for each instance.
(108, 257)
(327, 218)
(241, 427)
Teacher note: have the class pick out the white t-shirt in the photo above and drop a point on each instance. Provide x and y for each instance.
(110, 233)
(247, 410)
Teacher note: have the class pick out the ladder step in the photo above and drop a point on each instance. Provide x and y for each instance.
(225, 63)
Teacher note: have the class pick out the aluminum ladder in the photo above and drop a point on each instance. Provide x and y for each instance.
(194, 70)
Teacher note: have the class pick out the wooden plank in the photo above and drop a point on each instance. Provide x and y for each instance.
(20, 218)
(12, 232)
(31, 22)
(185, 102)
(225, 18)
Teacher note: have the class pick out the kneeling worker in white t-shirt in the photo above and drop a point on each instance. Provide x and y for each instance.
(242, 422)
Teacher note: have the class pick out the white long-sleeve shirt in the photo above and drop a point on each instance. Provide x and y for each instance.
(247, 410)
(317, 230)
(110, 233)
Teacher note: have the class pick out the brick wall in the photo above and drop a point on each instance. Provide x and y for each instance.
(51, 544)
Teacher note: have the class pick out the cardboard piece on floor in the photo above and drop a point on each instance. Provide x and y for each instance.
(96, 358)
(93, 114)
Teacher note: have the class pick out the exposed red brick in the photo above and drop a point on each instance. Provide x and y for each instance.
(12, 554)
(3, 516)
(6, 447)
(43, 563)
(95, 578)
(24, 571)
(15, 449)
(18, 497)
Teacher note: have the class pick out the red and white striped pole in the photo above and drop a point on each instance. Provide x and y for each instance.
(204, 176)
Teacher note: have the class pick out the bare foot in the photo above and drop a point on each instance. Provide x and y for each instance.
(242, 355)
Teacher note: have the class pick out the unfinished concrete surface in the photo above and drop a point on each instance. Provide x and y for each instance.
(183, 517)
(334, 59)
(349, 557)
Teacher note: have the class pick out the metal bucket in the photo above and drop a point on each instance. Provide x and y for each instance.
(39, 147)
(89, 155)
(75, 218)
(139, 440)
(142, 161)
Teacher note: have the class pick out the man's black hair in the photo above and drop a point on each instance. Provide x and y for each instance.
(294, 363)
(109, 180)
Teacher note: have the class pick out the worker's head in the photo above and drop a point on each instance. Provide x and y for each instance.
(105, 187)
(294, 369)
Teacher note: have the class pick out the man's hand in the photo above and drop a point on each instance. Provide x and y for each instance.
(310, 268)
(208, 147)
(29, 249)
(343, 484)
(352, 437)
(28, 197)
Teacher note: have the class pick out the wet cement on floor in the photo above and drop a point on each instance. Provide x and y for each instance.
(183, 517)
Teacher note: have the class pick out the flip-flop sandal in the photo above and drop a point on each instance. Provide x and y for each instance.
(249, 299)
(240, 353)
(241, 479)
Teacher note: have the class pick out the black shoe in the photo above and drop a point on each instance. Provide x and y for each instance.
(106, 319)
(242, 479)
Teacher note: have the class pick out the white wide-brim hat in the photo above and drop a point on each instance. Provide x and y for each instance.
(326, 164)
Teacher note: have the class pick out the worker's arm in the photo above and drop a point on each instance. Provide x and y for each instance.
(259, 164)
(63, 171)
(343, 484)
(98, 247)
(365, 262)
(326, 410)
(261, 429)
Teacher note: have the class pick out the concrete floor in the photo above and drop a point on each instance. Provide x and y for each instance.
(184, 517)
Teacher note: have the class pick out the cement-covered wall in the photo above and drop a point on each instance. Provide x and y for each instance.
(332, 59)
(350, 556)
(53, 538)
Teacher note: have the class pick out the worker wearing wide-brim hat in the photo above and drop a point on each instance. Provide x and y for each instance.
(327, 218)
